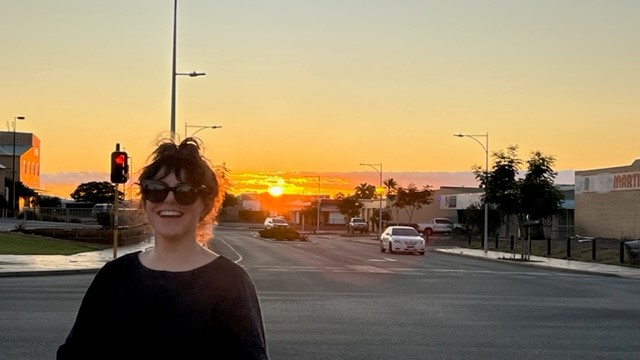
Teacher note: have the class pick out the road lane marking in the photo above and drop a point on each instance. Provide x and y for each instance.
(369, 269)
(383, 259)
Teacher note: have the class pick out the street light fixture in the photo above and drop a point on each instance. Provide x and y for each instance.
(13, 167)
(379, 170)
(200, 127)
(485, 147)
(174, 73)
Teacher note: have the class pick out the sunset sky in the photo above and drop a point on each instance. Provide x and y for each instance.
(314, 88)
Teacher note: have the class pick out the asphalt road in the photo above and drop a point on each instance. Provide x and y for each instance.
(337, 299)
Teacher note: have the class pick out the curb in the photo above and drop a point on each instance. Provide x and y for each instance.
(539, 264)
(21, 273)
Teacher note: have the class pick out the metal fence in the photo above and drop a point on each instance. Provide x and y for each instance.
(77, 218)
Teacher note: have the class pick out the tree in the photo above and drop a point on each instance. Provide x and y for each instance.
(392, 188)
(411, 198)
(386, 217)
(365, 191)
(48, 201)
(540, 197)
(392, 191)
(501, 184)
(534, 197)
(310, 213)
(350, 206)
(230, 200)
(96, 192)
(22, 191)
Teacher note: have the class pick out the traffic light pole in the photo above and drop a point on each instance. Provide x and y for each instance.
(119, 175)
(115, 221)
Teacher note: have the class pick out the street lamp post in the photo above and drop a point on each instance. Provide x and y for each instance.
(174, 73)
(13, 167)
(200, 128)
(379, 170)
(318, 219)
(485, 147)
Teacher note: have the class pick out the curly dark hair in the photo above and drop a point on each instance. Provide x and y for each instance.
(186, 160)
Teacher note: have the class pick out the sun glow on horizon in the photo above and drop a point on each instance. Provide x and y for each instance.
(276, 191)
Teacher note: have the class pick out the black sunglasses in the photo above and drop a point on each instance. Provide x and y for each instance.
(156, 191)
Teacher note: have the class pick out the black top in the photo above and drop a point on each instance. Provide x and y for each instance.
(131, 311)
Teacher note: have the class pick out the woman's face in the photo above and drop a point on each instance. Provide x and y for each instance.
(170, 219)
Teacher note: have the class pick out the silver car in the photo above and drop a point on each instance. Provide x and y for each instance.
(402, 239)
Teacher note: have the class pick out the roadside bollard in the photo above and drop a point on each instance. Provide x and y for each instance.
(593, 249)
(569, 247)
(496, 247)
(512, 243)
(621, 251)
(548, 246)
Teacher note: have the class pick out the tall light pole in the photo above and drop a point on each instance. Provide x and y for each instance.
(379, 170)
(318, 219)
(200, 127)
(174, 73)
(13, 167)
(485, 147)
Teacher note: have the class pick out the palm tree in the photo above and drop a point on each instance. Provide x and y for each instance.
(365, 191)
(392, 186)
(392, 191)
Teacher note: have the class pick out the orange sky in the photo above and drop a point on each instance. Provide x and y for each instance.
(318, 87)
(296, 183)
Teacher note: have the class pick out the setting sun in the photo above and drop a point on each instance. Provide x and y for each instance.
(276, 191)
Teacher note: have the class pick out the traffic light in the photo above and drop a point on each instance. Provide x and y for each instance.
(119, 167)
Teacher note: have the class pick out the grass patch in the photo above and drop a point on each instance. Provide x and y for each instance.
(25, 244)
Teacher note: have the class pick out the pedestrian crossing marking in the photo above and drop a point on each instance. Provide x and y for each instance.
(369, 269)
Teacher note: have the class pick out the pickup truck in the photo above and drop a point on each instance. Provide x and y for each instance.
(357, 224)
(439, 226)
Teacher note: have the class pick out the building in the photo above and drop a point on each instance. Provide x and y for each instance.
(27, 160)
(451, 202)
(607, 202)
(448, 202)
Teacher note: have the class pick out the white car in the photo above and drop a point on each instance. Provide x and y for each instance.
(402, 239)
(101, 208)
(275, 222)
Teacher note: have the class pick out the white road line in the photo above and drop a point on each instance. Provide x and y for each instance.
(383, 259)
(232, 249)
(369, 269)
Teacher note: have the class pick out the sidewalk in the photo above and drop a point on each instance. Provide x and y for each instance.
(86, 262)
(91, 262)
(538, 261)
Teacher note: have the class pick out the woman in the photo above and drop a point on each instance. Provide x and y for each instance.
(178, 298)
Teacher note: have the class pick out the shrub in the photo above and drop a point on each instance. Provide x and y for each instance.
(282, 234)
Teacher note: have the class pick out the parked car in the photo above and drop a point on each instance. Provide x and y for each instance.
(357, 224)
(402, 239)
(439, 226)
(101, 208)
(275, 222)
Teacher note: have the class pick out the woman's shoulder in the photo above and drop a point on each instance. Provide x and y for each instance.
(225, 263)
(124, 262)
(225, 268)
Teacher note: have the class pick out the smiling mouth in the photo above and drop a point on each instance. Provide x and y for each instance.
(169, 213)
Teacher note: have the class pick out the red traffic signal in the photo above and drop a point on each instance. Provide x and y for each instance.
(119, 167)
